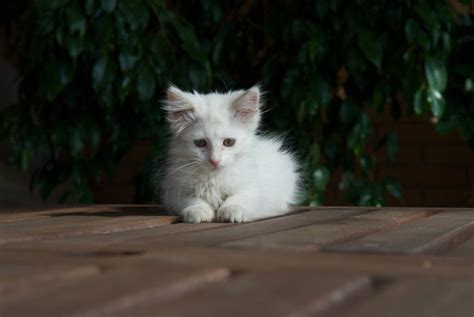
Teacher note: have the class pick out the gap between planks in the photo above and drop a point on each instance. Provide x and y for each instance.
(435, 234)
(313, 237)
(182, 233)
(107, 290)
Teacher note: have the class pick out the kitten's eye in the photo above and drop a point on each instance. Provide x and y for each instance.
(229, 142)
(200, 142)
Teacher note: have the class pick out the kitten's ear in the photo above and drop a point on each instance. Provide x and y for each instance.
(179, 109)
(247, 106)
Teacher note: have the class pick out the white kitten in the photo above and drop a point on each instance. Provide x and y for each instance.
(218, 168)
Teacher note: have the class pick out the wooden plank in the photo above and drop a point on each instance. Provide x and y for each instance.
(31, 258)
(258, 228)
(283, 293)
(98, 210)
(17, 279)
(315, 236)
(465, 249)
(130, 239)
(69, 226)
(261, 259)
(244, 259)
(419, 297)
(430, 235)
(115, 289)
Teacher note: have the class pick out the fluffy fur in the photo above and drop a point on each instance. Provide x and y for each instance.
(254, 178)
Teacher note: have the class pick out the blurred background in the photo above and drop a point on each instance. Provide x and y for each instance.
(377, 97)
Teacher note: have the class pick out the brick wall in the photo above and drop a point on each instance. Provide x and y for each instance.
(434, 170)
(120, 188)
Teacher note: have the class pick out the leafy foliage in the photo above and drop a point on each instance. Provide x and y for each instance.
(93, 73)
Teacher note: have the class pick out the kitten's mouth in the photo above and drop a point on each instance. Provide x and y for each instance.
(214, 167)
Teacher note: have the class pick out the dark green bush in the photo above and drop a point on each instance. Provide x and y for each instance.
(94, 71)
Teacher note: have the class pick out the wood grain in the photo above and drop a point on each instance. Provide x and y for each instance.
(465, 249)
(98, 210)
(283, 293)
(263, 259)
(260, 228)
(315, 236)
(41, 229)
(419, 297)
(114, 289)
(328, 261)
(440, 232)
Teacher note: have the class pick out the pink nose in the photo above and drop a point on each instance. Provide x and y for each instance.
(215, 163)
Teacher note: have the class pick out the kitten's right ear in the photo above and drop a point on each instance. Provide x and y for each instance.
(179, 109)
(246, 107)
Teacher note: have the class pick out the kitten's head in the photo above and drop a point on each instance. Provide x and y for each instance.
(212, 129)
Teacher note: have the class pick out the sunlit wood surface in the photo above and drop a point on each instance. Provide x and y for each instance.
(333, 261)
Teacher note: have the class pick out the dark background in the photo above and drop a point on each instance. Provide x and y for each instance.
(376, 96)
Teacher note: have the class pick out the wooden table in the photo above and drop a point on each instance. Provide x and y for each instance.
(332, 261)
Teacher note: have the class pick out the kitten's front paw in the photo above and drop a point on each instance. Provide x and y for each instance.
(197, 214)
(231, 213)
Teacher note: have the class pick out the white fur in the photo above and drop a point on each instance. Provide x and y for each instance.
(256, 178)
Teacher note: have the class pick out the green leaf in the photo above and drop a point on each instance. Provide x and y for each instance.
(89, 6)
(74, 45)
(372, 46)
(197, 76)
(76, 142)
(359, 134)
(346, 180)
(468, 85)
(348, 112)
(315, 152)
(419, 101)
(146, 83)
(393, 187)
(392, 145)
(367, 163)
(65, 72)
(426, 12)
(437, 102)
(322, 8)
(301, 114)
(58, 74)
(187, 34)
(447, 126)
(76, 20)
(321, 177)
(50, 4)
(108, 5)
(104, 33)
(416, 35)
(436, 74)
(94, 134)
(125, 87)
(45, 23)
(323, 91)
(60, 36)
(25, 160)
(63, 198)
(411, 28)
(135, 13)
(446, 43)
(127, 60)
(99, 72)
(366, 197)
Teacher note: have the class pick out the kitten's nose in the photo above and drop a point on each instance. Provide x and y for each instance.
(215, 163)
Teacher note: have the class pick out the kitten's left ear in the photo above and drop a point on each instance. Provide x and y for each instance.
(247, 106)
(180, 111)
